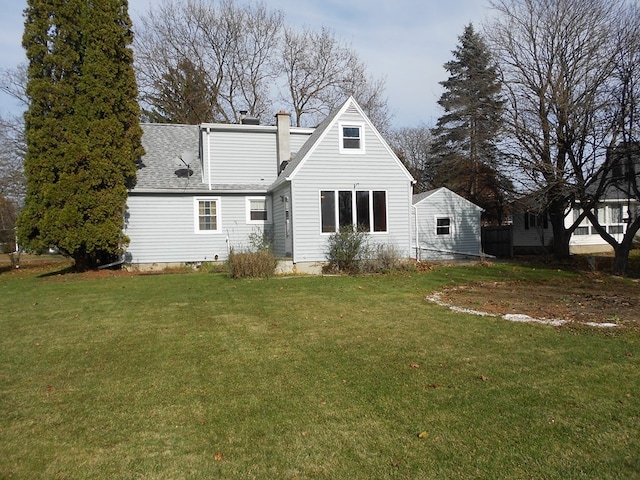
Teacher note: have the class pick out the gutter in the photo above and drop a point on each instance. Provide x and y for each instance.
(201, 191)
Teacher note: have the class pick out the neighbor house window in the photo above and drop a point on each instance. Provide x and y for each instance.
(365, 210)
(351, 138)
(616, 219)
(443, 226)
(583, 228)
(258, 210)
(535, 220)
(207, 215)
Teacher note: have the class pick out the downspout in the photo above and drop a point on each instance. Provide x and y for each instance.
(209, 157)
(415, 209)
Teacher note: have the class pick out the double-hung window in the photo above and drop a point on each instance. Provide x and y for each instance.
(365, 210)
(207, 215)
(443, 225)
(351, 138)
(258, 210)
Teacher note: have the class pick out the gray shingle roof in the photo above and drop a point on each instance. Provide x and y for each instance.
(421, 196)
(162, 168)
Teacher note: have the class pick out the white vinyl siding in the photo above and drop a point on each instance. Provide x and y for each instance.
(255, 163)
(162, 228)
(445, 226)
(326, 169)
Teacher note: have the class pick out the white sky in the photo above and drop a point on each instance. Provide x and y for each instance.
(404, 41)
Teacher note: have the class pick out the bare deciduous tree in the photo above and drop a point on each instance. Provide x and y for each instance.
(233, 57)
(321, 71)
(12, 144)
(228, 50)
(413, 147)
(556, 59)
(620, 174)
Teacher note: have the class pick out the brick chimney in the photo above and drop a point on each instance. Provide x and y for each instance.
(283, 121)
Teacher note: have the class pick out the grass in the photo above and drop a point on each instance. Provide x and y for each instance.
(197, 376)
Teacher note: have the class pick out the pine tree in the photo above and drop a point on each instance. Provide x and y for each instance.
(466, 135)
(82, 131)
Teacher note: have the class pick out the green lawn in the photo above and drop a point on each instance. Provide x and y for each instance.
(196, 376)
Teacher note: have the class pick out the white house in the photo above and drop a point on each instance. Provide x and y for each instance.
(202, 190)
(445, 226)
(612, 215)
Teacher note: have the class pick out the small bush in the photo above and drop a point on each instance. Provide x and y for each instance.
(382, 259)
(260, 264)
(346, 250)
(349, 251)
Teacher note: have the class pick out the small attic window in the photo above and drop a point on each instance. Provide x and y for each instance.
(351, 138)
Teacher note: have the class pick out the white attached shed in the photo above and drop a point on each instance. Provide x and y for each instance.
(445, 226)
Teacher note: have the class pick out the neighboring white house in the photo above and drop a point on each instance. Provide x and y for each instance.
(202, 190)
(532, 232)
(445, 226)
(612, 215)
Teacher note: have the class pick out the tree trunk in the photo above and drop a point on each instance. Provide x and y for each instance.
(561, 235)
(621, 258)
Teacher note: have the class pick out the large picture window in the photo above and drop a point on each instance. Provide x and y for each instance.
(362, 209)
(207, 215)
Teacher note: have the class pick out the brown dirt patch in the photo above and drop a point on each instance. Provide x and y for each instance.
(588, 298)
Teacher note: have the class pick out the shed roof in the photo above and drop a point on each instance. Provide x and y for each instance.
(442, 190)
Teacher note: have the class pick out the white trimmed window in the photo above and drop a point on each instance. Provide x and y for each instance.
(362, 209)
(258, 210)
(207, 215)
(443, 225)
(351, 138)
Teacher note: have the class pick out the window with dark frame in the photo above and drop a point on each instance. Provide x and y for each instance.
(328, 211)
(443, 226)
(365, 210)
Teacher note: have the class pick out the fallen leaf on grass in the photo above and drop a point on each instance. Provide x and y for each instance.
(415, 365)
(217, 457)
(423, 435)
(483, 378)
(434, 385)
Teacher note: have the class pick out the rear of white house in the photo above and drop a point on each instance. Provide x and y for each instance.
(205, 189)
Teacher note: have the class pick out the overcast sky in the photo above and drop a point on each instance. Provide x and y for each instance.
(404, 41)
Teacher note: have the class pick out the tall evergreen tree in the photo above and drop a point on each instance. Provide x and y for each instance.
(466, 135)
(82, 132)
